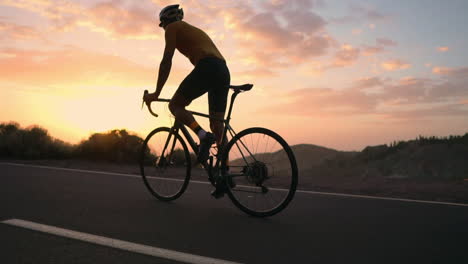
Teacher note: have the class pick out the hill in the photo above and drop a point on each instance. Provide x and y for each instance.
(424, 168)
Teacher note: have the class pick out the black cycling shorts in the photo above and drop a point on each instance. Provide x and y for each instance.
(209, 75)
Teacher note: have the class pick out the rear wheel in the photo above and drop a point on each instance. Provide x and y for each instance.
(260, 171)
(165, 164)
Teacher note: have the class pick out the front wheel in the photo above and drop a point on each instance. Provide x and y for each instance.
(165, 164)
(260, 171)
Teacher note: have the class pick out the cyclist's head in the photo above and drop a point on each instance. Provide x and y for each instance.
(170, 14)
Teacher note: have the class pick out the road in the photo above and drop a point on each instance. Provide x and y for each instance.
(315, 228)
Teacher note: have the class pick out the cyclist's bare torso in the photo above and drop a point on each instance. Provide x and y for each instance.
(191, 41)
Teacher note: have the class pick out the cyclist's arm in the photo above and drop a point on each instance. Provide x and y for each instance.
(166, 63)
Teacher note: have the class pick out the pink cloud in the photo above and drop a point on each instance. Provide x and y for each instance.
(367, 82)
(301, 36)
(367, 12)
(356, 31)
(346, 56)
(134, 22)
(255, 73)
(281, 5)
(407, 98)
(393, 65)
(385, 42)
(372, 50)
(442, 70)
(14, 31)
(443, 49)
(304, 21)
(447, 72)
(359, 14)
(271, 43)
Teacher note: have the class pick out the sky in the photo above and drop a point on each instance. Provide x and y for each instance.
(334, 73)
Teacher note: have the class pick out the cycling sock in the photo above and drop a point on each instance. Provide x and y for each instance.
(201, 133)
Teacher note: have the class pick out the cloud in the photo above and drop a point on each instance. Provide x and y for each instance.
(126, 22)
(393, 65)
(305, 22)
(385, 42)
(372, 50)
(443, 49)
(112, 18)
(379, 47)
(450, 110)
(12, 31)
(264, 38)
(325, 101)
(290, 29)
(265, 27)
(407, 98)
(359, 14)
(58, 12)
(255, 73)
(367, 82)
(442, 70)
(356, 31)
(347, 55)
(281, 5)
(367, 12)
(460, 72)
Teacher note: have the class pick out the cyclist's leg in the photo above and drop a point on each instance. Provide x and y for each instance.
(217, 100)
(188, 90)
(177, 107)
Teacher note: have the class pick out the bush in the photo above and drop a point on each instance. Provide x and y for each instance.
(113, 146)
(31, 143)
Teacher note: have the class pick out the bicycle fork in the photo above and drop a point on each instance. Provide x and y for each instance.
(163, 159)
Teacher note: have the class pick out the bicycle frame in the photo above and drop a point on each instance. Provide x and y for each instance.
(179, 126)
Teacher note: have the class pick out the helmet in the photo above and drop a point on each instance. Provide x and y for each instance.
(170, 14)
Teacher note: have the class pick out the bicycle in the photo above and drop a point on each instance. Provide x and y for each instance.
(250, 177)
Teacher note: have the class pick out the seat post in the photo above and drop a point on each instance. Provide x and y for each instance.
(233, 98)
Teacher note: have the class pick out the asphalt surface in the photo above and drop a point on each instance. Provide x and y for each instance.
(313, 229)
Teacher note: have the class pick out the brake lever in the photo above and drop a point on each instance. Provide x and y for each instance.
(143, 99)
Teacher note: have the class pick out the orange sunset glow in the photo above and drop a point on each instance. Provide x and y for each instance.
(342, 75)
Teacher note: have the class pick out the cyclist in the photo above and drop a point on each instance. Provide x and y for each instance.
(209, 75)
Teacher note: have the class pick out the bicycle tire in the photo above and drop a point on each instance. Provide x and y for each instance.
(291, 160)
(146, 178)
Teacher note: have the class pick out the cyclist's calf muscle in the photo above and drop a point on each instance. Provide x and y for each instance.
(217, 126)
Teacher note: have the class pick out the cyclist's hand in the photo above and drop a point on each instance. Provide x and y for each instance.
(150, 97)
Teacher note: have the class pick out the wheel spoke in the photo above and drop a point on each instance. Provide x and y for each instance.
(266, 160)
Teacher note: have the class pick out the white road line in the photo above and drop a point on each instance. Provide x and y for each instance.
(87, 171)
(382, 198)
(207, 183)
(115, 243)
